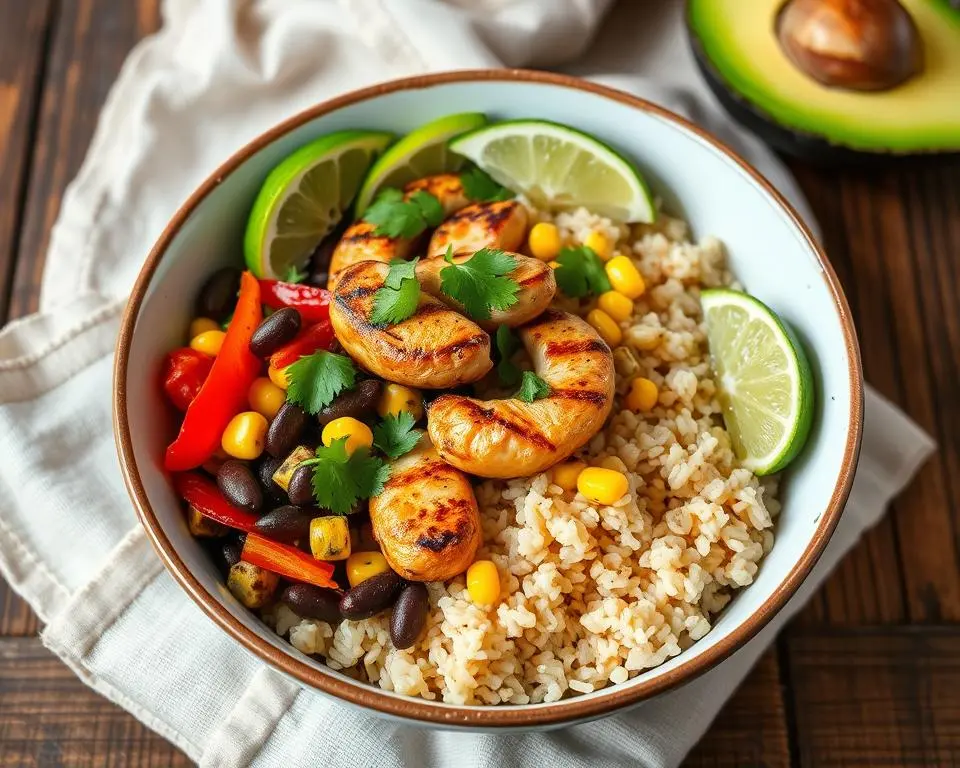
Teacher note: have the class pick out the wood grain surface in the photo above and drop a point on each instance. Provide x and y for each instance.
(867, 675)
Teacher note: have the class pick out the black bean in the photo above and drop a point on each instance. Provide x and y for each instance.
(370, 597)
(274, 495)
(285, 429)
(275, 331)
(285, 523)
(238, 484)
(219, 294)
(354, 402)
(312, 602)
(409, 615)
(231, 552)
(300, 488)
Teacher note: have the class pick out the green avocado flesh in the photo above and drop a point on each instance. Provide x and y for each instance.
(921, 115)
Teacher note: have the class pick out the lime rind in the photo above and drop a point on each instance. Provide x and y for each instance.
(341, 157)
(753, 389)
(422, 152)
(522, 176)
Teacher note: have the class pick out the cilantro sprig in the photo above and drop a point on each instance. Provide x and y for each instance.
(294, 275)
(395, 216)
(315, 380)
(341, 479)
(481, 188)
(507, 344)
(480, 283)
(400, 295)
(581, 272)
(532, 388)
(395, 435)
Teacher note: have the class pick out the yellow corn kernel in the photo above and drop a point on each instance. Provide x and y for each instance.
(625, 277)
(278, 376)
(330, 538)
(565, 475)
(553, 264)
(363, 565)
(245, 435)
(606, 326)
(265, 397)
(602, 486)
(600, 244)
(397, 398)
(208, 342)
(643, 395)
(357, 433)
(202, 325)
(483, 582)
(615, 304)
(544, 241)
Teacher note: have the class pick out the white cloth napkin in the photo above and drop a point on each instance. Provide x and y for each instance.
(218, 73)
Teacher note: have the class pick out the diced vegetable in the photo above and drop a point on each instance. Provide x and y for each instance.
(287, 561)
(224, 393)
(184, 371)
(312, 303)
(202, 494)
(285, 471)
(330, 538)
(203, 527)
(251, 584)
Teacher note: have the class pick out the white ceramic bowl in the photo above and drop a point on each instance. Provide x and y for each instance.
(771, 252)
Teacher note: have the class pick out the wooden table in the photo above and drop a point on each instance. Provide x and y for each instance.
(867, 675)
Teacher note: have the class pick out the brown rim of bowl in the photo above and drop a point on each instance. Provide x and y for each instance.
(363, 695)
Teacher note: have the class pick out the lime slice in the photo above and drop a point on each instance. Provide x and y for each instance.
(558, 168)
(765, 383)
(420, 153)
(304, 197)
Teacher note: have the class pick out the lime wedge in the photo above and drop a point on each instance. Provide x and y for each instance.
(420, 153)
(557, 168)
(764, 379)
(304, 197)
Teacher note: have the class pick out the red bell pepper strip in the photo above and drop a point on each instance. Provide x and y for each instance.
(184, 371)
(308, 341)
(224, 393)
(287, 561)
(312, 303)
(201, 492)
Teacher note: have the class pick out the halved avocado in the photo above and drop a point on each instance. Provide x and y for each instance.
(740, 55)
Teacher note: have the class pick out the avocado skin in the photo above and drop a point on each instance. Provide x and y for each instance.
(800, 144)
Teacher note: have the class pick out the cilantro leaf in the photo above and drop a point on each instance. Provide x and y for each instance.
(532, 388)
(341, 480)
(479, 283)
(399, 297)
(294, 275)
(507, 344)
(581, 272)
(395, 435)
(482, 189)
(430, 207)
(315, 380)
(393, 216)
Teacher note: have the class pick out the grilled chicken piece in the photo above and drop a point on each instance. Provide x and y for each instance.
(537, 288)
(426, 519)
(500, 225)
(511, 438)
(436, 348)
(359, 243)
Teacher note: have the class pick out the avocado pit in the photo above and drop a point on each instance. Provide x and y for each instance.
(860, 45)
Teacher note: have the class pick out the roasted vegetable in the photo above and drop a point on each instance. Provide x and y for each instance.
(252, 585)
(330, 538)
